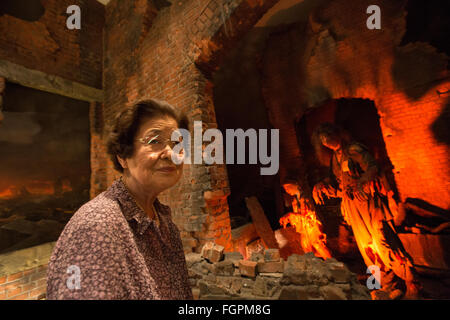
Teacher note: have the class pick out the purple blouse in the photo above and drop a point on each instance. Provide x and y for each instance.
(110, 249)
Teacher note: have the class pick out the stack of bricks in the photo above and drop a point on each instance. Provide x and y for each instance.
(214, 274)
(30, 284)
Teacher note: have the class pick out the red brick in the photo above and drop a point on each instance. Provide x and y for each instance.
(12, 285)
(14, 276)
(41, 282)
(247, 268)
(38, 291)
(270, 267)
(29, 271)
(13, 292)
(42, 268)
(23, 296)
(38, 275)
(29, 286)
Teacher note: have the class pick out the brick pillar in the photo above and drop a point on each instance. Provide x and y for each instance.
(2, 90)
(209, 218)
(98, 150)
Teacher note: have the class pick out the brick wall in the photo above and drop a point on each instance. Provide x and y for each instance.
(98, 153)
(341, 58)
(48, 46)
(23, 273)
(402, 80)
(30, 284)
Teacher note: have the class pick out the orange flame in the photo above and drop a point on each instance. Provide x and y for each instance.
(34, 187)
(310, 228)
(7, 193)
(40, 187)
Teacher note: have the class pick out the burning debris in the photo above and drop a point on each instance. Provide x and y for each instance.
(305, 221)
(310, 229)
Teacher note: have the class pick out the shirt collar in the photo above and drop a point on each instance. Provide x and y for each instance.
(130, 209)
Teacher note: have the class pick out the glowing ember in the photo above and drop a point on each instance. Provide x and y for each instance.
(8, 193)
(35, 187)
(40, 187)
(310, 228)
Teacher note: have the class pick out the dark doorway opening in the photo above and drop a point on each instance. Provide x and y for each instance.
(238, 104)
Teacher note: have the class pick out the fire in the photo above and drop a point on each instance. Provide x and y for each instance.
(66, 187)
(35, 187)
(310, 228)
(7, 193)
(40, 187)
(372, 252)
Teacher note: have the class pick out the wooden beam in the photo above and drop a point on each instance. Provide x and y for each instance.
(428, 250)
(261, 223)
(45, 82)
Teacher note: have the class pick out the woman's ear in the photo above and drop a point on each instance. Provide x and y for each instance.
(122, 162)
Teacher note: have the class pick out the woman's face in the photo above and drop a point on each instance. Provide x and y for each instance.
(153, 170)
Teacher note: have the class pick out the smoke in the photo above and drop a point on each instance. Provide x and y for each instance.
(19, 128)
(43, 137)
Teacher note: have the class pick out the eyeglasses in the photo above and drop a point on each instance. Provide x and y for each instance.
(158, 143)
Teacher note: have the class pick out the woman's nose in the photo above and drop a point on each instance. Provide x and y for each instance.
(167, 151)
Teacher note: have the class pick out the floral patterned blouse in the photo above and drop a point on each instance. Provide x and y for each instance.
(110, 249)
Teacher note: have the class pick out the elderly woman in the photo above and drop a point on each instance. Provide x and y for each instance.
(123, 244)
